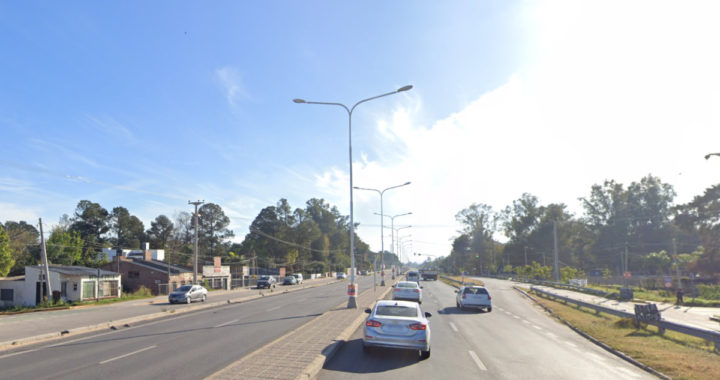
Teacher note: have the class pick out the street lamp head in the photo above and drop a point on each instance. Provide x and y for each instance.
(299, 101)
(404, 88)
(407, 183)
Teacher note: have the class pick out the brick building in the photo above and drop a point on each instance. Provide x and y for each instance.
(150, 273)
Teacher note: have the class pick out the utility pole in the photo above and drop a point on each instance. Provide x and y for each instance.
(45, 269)
(168, 268)
(525, 256)
(626, 263)
(195, 265)
(557, 269)
(677, 264)
(543, 258)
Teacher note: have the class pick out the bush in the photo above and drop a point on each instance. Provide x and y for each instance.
(142, 291)
(709, 292)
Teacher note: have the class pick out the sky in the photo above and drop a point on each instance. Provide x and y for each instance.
(148, 105)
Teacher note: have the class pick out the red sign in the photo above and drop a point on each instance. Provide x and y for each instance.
(217, 261)
(352, 289)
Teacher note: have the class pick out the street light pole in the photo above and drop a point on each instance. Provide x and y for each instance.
(352, 301)
(195, 256)
(382, 238)
(392, 223)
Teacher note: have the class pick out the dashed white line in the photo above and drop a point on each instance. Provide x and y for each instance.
(516, 316)
(477, 361)
(275, 308)
(508, 313)
(126, 355)
(570, 344)
(537, 327)
(227, 323)
(17, 353)
(304, 299)
(627, 372)
(551, 335)
(453, 326)
(595, 357)
(526, 322)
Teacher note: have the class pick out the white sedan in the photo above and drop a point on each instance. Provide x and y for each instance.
(397, 324)
(474, 297)
(408, 290)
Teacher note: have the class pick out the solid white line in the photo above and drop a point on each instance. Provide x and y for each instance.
(126, 355)
(453, 326)
(275, 308)
(627, 372)
(595, 357)
(227, 323)
(477, 361)
(17, 353)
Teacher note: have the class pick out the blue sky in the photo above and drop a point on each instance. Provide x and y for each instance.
(194, 100)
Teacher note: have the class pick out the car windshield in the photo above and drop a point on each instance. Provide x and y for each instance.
(396, 311)
(265, 277)
(475, 291)
(410, 285)
(184, 288)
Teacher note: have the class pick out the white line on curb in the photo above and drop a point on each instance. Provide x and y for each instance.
(477, 361)
(126, 355)
(453, 326)
(275, 308)
(227, 323)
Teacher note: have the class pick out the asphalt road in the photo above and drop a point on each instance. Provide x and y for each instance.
(189, 346)
(514, 341)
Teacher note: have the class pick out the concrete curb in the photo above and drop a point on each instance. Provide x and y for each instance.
(604, 346)
(146, 317)
(715, 319)
(311, 371)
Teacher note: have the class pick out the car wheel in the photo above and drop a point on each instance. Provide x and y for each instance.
(204, 297)
(420, 302)
(425, 354)
(462, 307)
(489, 309)
(457, 304)
(188, 300)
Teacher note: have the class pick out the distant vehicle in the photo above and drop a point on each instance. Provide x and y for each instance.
(298, 277)
(290, 280)
(476, 297)
(429, 274)
(397, 324)
(363, 273)
(341, 276)
(413, 276)
(407, 290)
(187, 294)
(266, 282)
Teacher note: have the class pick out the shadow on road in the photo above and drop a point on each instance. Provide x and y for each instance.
(352, 359)
(457, 310)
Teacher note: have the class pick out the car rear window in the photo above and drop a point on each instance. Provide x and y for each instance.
(396, 311)
(411, 285)
(475, 291)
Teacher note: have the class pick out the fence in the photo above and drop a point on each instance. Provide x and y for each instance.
(662, 325)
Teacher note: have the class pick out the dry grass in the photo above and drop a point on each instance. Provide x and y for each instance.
(470, 280)
(676, 355)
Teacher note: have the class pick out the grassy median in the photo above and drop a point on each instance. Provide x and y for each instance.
(459, 278)
(676, 355)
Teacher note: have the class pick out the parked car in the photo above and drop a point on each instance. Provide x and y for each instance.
(408, 290)
(187, 294)
(298, 277)
(476, 297)
(290, 280)
(397, 324)
(363, 273)
(266, 282)
(341, 276)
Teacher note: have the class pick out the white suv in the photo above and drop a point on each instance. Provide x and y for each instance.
(298, 277)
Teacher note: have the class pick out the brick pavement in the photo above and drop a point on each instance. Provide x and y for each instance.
(289, 356)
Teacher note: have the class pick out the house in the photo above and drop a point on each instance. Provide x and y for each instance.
(217, 276)
(72, 284)
(150, 273)
(157, 254)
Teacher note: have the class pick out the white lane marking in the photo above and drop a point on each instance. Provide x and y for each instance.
(526, 321)
(453, 326)
(227, 323)
(304, 299)
(126, 355)
(516, 316)
(537, 327)
(627, 372)
(551, 335)
(569, 344)
(595, 357)
(275, 308)
(508, 313)
(477, 361)
(22, 352)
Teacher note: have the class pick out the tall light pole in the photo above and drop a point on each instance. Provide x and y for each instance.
(392, 223)
(196, 239)
(382, 239)
(398, 234)
(352, 301)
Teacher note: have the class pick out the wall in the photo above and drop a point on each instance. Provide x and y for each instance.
(18, 287)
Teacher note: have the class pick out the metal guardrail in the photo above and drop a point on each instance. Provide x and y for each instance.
(554, 284)
(662, 325)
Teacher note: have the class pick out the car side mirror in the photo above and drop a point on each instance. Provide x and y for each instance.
(393, 286)
(428, 314)
(456, 291)
(422, 287)
(368, 311)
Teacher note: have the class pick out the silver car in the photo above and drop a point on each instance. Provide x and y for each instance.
(408, 290)
(397, 324)
(187, 294)
(474, 297)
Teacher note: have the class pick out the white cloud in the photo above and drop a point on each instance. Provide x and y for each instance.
(111, 126)
(231, 82)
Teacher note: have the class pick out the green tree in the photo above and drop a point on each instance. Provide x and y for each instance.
(24, 243)
(6, 260)
(700, 216)
(64, 247)
(91, 221)
(160, 232)
(129, 231)
(213, 228)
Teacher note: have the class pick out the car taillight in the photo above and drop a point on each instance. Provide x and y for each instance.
(489, 297)
(464, 296)
(418, 326)
(398, 290)
(416, 290)
(372, 323)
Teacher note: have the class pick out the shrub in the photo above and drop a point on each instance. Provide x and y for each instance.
(709, 292)
(142, 291)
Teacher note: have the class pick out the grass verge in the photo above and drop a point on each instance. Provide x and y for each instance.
(658, 296)
(676, 355)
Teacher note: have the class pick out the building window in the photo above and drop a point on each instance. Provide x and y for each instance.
(6, 295)
(88, 289)
(74, 286)
(108, 289)
(63, 289)
(133, 274)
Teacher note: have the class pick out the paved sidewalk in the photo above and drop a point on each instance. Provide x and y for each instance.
(690, 316)
(28, 325)
(288, 357)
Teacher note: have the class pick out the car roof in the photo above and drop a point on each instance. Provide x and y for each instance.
(397, 303)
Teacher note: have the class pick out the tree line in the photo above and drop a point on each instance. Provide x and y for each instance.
(640, 219)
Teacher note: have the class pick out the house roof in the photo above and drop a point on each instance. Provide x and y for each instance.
(79, 271)
(161, 266)
(13, 278)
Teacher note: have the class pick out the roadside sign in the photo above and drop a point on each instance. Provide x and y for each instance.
(668, 279)
(352, 289)
(667, 284)
(627, 274)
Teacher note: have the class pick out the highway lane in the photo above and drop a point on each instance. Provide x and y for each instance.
(189, 346)
(515, 341)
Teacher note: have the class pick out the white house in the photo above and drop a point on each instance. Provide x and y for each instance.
(157, 254)
(74, 283)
